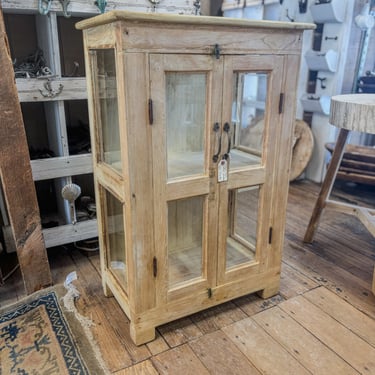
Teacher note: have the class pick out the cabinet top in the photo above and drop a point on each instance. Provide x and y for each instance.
(139, 17)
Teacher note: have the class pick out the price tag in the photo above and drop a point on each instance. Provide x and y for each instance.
(222, 173)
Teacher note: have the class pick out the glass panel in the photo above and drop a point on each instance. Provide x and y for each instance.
(242, 225)
(185, 119)
(116, 238)
(108, 108)
(248, 111)
(185, 239)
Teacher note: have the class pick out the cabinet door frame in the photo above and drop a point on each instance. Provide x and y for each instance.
(262, 175)
(186, 186)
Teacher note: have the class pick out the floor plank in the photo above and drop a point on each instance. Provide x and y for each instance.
(301, 344)
(221, 356)
(343, 312)
(180, 360)
(142, 368)
(262, 350)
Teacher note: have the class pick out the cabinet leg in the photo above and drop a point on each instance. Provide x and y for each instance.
(107, 292)
(270, 291)
(141, 335)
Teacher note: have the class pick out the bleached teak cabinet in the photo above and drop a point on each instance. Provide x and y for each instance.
(192, 122)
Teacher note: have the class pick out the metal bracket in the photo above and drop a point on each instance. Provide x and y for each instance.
(217, 51)
(322, 79)
(50, 92)
(64, 4)
(44, 6)
(101, 4)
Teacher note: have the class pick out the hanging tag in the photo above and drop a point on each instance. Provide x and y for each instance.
(222, 173)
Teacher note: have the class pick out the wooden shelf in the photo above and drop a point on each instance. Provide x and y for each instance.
(32, 89)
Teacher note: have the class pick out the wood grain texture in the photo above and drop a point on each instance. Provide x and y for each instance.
(334, 276)
(358, 353)
(353, 112)
(189, 20)
(16, 179)
(301, 344)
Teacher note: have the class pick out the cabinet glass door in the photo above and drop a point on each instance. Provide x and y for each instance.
(186, 92)
(105, 95)
(246, 195)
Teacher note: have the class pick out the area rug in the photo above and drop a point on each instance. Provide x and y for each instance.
(38, 335)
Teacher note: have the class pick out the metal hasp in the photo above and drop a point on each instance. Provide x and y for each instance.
(216, 129)
(226, 128)
(217, 51)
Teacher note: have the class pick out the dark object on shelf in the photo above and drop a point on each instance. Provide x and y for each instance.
(32, 66)
(79, 139)
(302, 6)
(357, 165)
(50, 224)
(86, 208)
(41, 153)
(366, 84)
(91, 244)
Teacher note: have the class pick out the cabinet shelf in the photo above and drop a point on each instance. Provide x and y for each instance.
(86, 8)
(36, 89)
(81, 230)
(62, 166)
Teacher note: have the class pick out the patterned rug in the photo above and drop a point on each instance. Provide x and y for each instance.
(39, 336)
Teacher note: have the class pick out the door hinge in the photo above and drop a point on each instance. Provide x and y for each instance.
(154, 266)
(281, 102)
(150, 112)
(270, 235)
(217, 51)
(209, 292)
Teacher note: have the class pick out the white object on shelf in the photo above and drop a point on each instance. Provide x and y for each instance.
(333, 11)
(313, 103)
(324, 61)
(253, 11)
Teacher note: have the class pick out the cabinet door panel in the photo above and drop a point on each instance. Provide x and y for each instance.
(106, 106)
(252, 88)
(186, 95)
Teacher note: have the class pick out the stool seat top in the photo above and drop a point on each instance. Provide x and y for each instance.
(353, 112)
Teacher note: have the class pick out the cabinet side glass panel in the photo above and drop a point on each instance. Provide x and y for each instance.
(185, 239)
(242, 225)
(114, 228)
(185, 119)
(248, 112)
(106, 106)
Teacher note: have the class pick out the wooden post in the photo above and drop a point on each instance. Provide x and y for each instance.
(327, 185)
(16, 179)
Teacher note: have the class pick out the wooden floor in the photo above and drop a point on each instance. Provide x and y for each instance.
(321, 322)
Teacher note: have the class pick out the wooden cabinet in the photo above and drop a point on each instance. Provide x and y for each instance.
(192, 122)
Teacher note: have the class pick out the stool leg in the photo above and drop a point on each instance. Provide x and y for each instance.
(327, 184)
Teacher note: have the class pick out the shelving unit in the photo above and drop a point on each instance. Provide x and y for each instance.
(54, 105)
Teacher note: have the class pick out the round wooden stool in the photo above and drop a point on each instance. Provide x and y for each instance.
(348, 112)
